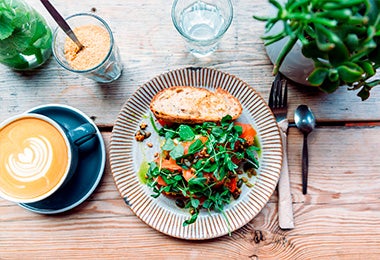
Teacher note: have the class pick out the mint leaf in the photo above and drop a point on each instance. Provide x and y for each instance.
(6, 29)
(16, 61)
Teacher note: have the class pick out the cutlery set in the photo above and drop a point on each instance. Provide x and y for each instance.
(305, 122)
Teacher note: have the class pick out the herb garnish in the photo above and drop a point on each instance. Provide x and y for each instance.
(200, 165)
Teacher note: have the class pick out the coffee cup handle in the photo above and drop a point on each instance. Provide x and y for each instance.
(82, 133)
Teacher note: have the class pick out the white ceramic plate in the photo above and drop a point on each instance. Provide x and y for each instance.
(127, 155)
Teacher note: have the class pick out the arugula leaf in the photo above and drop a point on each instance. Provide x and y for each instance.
(192, 219)
(197, 184)
(238, 129)
(195, 147)
(223, 146)
(226, 120)
(252, 156)
(208, 166)
(186, 133)
(194, 203)
(230, 164)
(208, 204)
(177, 152)
(169, 134)
(168, 145)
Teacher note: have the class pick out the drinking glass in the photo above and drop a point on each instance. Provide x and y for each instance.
(109, 68)
(25, 37)
(202, 23)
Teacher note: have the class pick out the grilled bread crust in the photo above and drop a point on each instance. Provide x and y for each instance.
(193, 105)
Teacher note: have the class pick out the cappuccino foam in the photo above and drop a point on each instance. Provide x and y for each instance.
(34, 158)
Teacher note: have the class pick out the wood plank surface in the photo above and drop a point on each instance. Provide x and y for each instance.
(149, 46)
(339, 218)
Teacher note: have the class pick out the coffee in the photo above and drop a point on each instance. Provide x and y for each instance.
(34, 158)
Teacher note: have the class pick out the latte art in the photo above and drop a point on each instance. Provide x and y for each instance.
(34, 158)
(34, 162)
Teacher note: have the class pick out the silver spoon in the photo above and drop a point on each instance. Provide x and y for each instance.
(62, 23)
(305, 122)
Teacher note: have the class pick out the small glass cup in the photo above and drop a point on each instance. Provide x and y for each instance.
(202, 23)
(108, 70)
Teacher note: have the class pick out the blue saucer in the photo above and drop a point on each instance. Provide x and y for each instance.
(92, 158)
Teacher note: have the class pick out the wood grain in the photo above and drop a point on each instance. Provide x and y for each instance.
(339, 218)
(149, 46)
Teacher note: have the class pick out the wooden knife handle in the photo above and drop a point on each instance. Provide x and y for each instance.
(285, 206)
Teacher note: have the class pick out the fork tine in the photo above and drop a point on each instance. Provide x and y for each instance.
(279, 94)
(285, 100)
(271, 95)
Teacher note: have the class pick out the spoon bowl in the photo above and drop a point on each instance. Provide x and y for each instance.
(305, 122)
(304, 119)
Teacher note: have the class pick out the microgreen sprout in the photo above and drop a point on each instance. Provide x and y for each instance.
(199, 164)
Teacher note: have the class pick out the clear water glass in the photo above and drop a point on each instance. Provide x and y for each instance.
(202, 23)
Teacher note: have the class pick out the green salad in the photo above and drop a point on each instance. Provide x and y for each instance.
(204, 166)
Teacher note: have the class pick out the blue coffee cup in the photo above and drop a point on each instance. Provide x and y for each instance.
(38, 156)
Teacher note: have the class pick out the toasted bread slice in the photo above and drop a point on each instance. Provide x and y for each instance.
(193, 105)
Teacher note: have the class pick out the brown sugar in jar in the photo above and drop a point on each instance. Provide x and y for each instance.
(97, 45)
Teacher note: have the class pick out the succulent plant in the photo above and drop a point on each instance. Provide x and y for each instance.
(342, 37)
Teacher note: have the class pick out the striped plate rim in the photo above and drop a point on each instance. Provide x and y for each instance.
(161, 213)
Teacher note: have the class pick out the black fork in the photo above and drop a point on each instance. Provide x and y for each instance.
(278, 98)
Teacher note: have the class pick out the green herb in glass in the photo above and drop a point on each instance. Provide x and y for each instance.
(25, 37)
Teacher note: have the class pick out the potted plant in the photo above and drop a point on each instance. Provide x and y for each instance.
(340, 37)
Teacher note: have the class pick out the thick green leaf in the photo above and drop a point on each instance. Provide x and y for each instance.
(333, 75)
(329, 86)
(352, 42)
(317, 76)
(367, 67)
(312, 51)
(350, 72)
(364, 93)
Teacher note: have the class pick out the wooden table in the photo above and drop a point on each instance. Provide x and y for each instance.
(339, 218)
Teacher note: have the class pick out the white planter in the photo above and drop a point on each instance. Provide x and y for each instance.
(295, 66)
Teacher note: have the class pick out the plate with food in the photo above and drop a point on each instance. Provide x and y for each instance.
(196, 153)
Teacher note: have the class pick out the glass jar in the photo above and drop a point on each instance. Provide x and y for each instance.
(25, 37)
